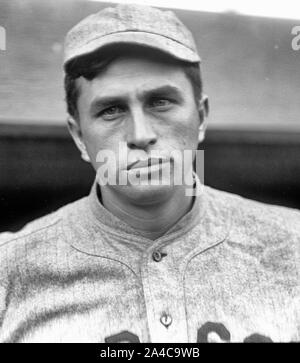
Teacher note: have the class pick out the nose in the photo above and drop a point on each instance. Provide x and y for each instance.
(140, 132)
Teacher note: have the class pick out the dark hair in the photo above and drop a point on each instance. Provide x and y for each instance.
(89, 66)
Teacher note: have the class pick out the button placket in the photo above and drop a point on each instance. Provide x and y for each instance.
(163, 296)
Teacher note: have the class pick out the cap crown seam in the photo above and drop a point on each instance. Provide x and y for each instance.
(138, 31)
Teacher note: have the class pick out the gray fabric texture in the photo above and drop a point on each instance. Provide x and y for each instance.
(230, 272)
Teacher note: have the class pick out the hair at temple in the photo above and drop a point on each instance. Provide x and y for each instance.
(89, 66)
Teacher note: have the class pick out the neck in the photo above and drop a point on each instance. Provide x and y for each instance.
(152, 220)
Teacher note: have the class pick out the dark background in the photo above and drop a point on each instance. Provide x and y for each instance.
(42, 170)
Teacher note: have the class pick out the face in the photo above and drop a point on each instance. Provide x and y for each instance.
(144, 108)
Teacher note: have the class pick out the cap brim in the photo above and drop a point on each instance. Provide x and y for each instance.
(151, 40)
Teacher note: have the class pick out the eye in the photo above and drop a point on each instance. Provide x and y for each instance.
(111, 112)
(161, 103)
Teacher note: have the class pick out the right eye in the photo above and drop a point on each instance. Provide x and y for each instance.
(111, 112)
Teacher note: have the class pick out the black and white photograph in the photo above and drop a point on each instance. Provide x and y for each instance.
(149, 173)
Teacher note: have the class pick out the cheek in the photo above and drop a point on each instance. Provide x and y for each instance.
(182, 132)
(101, 139)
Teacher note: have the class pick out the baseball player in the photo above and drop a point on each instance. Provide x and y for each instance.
(135, 262)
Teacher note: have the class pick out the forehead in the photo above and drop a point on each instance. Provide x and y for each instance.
(134, 73)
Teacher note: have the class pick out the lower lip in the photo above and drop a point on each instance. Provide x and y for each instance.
(151, 168)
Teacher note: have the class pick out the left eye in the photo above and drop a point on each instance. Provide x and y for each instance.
(162, 102)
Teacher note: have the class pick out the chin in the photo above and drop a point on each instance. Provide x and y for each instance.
(146, 194)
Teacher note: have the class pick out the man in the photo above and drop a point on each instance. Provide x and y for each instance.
(137, 261)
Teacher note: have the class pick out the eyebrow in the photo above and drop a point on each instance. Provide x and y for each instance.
(106, 101)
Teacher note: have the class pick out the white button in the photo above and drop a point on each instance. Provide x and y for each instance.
(166, 320)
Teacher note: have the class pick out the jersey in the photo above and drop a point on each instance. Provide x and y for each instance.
(227, 271)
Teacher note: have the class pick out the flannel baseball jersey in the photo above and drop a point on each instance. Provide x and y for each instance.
(227, 271)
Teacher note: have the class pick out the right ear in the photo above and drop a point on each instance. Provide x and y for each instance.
(75, 131)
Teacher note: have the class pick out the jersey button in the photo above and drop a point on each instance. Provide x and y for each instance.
(166, 320)
(156, 255)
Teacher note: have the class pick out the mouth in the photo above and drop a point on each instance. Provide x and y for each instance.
(148, 163)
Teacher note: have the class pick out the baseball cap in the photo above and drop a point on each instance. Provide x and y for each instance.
(131, 24)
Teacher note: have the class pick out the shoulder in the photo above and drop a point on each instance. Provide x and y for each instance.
(36, 236)
(267, 234)
(252, 214)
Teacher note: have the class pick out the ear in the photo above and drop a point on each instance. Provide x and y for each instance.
(203, 109)
(75, 131)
